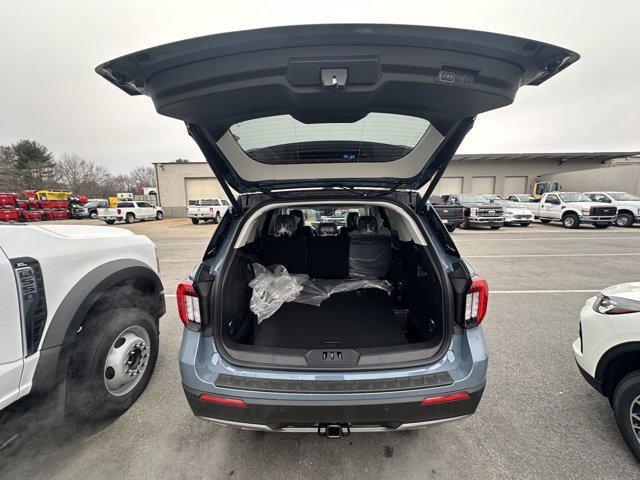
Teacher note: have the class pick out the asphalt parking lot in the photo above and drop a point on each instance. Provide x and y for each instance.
(538, 417)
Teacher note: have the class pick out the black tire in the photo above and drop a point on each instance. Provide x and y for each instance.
(93, 215)
(110, 222)
(195, 221)
(450, 227)
(525, 224)
(495, 227)
(623, 397)
(217, 218)
(602, 225)
(130, 218)
(87, 393)
(571, 220)
(544, 220)
(465, 223)
(625, 220)
(159, 215)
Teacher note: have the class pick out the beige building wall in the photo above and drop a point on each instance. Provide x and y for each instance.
(175, 178)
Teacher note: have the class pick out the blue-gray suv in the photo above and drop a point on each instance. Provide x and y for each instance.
(331, 298)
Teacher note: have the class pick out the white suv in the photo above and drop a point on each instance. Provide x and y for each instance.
(608, 354)
(80, 308)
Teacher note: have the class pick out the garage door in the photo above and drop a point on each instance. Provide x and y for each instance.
(515, 185)
(448, 185)
(483, 185)
(197, 188)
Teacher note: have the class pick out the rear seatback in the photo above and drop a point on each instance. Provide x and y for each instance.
(328, 253)
(285, 248)
(369, 250)
(365, 253)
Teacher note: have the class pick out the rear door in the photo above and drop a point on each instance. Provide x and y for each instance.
(333, 105)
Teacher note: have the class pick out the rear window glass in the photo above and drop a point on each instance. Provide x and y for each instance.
(281, 139)
(125, 205)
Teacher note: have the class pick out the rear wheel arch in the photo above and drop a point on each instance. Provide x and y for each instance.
(122, 280)
(615, 364)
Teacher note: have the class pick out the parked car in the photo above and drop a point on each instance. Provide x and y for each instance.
(572, 209)
(89, 209)
(628, 206)
(80, 305)
(130, 211)
(522, 197)
(607, 352)
(514, 213)
(207, 209)
(451, 216)
(491, 197)
(478, 211)
(290, 118)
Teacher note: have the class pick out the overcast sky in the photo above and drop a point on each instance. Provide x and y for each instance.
(50, 93)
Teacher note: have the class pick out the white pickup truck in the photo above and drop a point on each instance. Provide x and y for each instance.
(130, 211)
(207, 209)
(628, 206)
(80, 311)
(572, 209)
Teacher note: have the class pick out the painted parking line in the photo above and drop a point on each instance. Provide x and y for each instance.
(545, 239)
(533, 255)
(180, 244)
(544, 291)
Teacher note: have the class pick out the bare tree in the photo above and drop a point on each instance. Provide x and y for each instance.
(83, 176)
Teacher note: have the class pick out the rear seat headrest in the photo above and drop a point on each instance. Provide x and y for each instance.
(352, 220)
(367, 224)
(297, 214)
(325, 229)
(285, 225)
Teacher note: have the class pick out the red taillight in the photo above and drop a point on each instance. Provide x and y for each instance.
(451, 397)
(234, 402)
(188, 304)
(476, 302)
(211, 209)
(119, 211)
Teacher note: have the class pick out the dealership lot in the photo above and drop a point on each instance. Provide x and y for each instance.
(538, 418)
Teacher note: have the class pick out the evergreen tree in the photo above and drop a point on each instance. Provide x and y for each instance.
(34, 164)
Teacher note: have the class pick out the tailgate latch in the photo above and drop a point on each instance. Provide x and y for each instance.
(334, 79)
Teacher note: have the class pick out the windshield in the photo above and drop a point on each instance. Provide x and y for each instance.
(574, 197)
(93, 204)
(472, 199)
(281, 139)
(623, 197)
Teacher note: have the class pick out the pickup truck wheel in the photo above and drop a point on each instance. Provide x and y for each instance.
(495, 228)
(544, 220)
(626, 407)
(625, 220)
(159, 215)
(465, 223)
(112, 362)
(195, 221)
(602, 225)
(525, 224)
(94, 215)
(571, 220)
(451, 228)
(110, 222)
(130, 218)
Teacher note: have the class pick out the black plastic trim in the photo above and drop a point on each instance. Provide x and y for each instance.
(337, 386)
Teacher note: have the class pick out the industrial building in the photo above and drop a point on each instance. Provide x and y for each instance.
(502, 174)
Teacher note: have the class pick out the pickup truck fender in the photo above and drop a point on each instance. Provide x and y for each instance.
(73, 311)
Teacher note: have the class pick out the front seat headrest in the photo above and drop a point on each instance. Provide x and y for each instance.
(368, 224)
(352, 220)
(325, 229)
(285, 225)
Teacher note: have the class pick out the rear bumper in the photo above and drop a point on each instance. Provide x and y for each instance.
(307, 415)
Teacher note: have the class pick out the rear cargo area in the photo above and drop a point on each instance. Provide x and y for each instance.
(378, 292)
